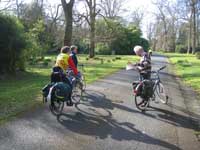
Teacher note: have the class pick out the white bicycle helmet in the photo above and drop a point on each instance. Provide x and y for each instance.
(138, 50)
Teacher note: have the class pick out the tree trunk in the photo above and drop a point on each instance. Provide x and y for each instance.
(92, 36)
(67, 8)
(92, 14)
(165, 39)
(193, 27)
(189, 34)
(197, 27)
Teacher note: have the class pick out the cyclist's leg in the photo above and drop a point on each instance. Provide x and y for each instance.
(67, 80)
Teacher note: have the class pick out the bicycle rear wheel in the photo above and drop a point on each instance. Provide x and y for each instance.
(161, 93)
(56, 106)
(141, 103)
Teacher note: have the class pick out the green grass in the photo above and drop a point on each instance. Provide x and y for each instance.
(24, 91)
(187, 67)
(94, 69)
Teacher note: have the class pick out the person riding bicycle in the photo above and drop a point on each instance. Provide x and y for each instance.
(63, 62)
(144, 66)
(74, 51)
(150, 53)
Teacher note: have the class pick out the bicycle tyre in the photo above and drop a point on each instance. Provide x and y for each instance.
(77, 93)
(56, 106)
(161, 93)
(141, 103)
(83, 82)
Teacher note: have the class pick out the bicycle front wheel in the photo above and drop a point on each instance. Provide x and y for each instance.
(161, 93)
(141, 103)
(83, 81)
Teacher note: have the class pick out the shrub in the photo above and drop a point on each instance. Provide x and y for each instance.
(181, 49)
(184, 63)
(48, 59)
(102, 60)
(118, 58)
(198, 55)
(103, 49)
(197, 49)
(45, 63)
(13, 42)
(96, 58)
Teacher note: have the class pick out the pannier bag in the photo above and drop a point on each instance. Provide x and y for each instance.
(61, 91)
(137, 88)
(147, 88)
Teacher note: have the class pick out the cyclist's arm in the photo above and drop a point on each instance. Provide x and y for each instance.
(75, 60)
(72, 66)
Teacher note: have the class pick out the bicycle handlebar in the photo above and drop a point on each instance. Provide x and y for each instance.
(82, 65)
(162, 68)
(159, 69)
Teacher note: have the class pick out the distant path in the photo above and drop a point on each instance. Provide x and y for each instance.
(107, 119)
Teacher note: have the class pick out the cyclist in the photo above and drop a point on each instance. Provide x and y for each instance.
(144, 66)
(63, 62)
(150, 53)
(74, 51)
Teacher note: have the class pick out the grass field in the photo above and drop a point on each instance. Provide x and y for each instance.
(187, 67)
(24, 91)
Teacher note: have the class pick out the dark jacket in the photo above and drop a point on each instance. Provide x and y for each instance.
(74, 58)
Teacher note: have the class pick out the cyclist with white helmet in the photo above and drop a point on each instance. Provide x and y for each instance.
(144, 66)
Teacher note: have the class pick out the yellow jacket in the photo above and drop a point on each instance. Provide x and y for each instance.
(62, 61)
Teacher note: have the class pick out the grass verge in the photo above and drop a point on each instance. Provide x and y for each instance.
(24, 91)
(186, 67)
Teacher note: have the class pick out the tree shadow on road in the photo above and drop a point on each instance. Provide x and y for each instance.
(177, 119)
(105, 126)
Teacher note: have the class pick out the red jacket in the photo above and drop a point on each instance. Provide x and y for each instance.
(72, 66)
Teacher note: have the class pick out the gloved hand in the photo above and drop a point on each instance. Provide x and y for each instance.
(78, 76)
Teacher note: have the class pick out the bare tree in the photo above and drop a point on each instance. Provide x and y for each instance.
(111, 8)
(137, 16)
(67, 8)
(90, 16)
(193, 4)
(6, 5)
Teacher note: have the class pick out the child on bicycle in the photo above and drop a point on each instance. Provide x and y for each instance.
(74, 51)
(63, 62)
(144, 66)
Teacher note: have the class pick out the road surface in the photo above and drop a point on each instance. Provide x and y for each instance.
(107, 119)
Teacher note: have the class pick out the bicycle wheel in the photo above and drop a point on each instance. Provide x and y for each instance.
(161, 93)
(141, 103)
(77, 92)
(83, 82)
(57, 106)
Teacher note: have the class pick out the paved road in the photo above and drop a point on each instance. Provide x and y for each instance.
(108, 120)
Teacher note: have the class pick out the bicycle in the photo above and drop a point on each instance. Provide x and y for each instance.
(83, 79)
(155, 89)
(79, 86)
(55, 98)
